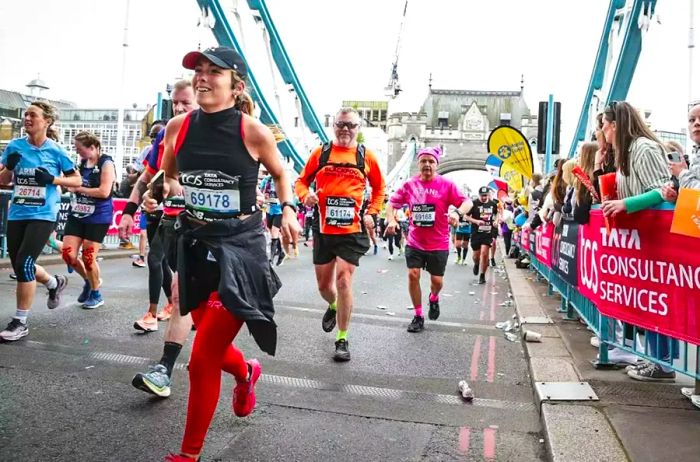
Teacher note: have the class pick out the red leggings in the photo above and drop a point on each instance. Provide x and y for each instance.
(212, 352)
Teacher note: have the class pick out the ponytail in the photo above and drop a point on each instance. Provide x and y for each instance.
(245, 104)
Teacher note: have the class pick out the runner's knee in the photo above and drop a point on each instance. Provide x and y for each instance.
(69, 255)
(25, 269)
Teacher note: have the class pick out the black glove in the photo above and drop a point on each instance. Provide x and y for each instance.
(42, 176)
(12, 160)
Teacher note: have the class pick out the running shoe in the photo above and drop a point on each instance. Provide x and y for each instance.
(180, 458)
(139, 263)
(640, 365)
(281, 258)
(244, 392)
(464, 261)
(434, 311)
(54, 300)
(165, 313)
(13, 276)
(148, 323)
(376, 249)
(493, 262)
(126, 245)
(328, 321)
(475, 270)
(400, 252)
(95, 300)
(15, 330)
(390, 257)
(458, 261)
(652, 373)
(482, 278)
(688, 391)
(595, 342)
(342, 353)
(155, 381)
(85, 294)
(416, 324)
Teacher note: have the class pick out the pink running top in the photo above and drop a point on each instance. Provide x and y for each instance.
(428, 203)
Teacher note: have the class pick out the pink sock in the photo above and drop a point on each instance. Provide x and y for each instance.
(419, 310)
(433, 297)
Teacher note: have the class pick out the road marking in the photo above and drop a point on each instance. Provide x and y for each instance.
(491, 367)
(359, 390)
(476, 353)
(395, 319)
(489, 443)
(464, 433)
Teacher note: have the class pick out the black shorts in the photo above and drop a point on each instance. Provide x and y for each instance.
(480, 239)
(462, 236)
(25, 241)
(433, 261)
(349, 247)
(494, 233)
(274, 220)
(94, 232)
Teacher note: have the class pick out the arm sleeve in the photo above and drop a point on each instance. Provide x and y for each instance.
(643, 201)
(376, 180)
(652, 168)
(301, 186)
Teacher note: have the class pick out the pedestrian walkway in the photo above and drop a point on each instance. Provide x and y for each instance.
(632, 420)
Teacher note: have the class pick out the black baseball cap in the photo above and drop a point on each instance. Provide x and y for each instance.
(224, 57)
(484, 190)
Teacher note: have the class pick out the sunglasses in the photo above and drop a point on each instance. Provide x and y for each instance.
(349, 125)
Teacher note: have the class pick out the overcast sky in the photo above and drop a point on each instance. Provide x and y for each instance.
(343, 50)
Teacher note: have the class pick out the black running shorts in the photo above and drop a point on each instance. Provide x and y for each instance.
(94, 232)
(480, 239)
(433, 261)
(274, 220)
(349, 247)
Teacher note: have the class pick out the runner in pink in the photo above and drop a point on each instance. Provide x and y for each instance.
(429, 196)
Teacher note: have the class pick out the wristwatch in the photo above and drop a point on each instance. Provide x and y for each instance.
(290, 205)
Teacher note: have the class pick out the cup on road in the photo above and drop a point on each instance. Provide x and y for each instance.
(531, 336)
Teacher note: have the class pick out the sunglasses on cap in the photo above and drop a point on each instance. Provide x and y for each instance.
(349, 125)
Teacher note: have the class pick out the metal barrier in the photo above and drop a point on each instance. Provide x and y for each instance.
(676, 354)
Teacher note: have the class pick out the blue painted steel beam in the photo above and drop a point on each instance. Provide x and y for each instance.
(597, 75)
(284, 65)
(629, 54)
(225, 36)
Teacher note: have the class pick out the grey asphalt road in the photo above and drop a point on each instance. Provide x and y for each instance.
(65, 391)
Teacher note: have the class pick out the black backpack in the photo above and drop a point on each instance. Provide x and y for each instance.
(326, 154)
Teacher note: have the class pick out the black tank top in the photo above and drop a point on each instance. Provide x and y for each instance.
(213, 161)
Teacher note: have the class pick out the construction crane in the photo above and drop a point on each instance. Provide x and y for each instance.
(393, 88)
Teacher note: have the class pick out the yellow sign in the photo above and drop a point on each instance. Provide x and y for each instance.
(513, 149)
(512, 177)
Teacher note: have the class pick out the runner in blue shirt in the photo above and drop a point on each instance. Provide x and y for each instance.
(38, 166)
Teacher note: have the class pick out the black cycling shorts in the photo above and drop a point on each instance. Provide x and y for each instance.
(462, 236)
(274, 220)
(433, 261)
(349, 247)
(89, 231)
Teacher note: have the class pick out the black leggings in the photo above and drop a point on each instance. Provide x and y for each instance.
(25, 241)
(394, 240)
(507, 238)
(159, 274)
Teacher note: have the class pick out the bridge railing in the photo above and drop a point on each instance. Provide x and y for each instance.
(634, 283)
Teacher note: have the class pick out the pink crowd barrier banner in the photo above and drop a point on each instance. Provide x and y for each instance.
(119, 205)
(543, 243)
(641, 273)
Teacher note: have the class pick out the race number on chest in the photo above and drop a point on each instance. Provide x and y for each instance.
(340, 211)
(423, 215)
(211, 194)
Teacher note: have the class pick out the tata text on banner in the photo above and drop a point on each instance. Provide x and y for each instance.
(543, 244)
(565, 251)
(641, 273)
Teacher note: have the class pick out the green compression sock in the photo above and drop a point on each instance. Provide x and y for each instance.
(333, 306)
(342, 335)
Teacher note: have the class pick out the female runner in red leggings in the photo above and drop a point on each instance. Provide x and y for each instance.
(211, 156)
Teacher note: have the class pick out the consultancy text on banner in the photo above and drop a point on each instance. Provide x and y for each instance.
(641, 273)
(565, 251)
(543, 243)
